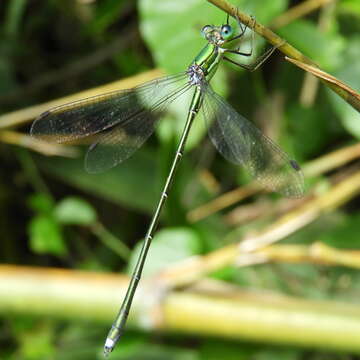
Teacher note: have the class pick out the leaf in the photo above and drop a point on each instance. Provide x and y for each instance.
(324, 49)
(174, 44)
(40, 202)
(74, 210)
(165, 37)
(37, 342)
(15, 13)
(350, 74)
(263, 11)
(226, 350)
(107, 13)
(7, 72)
(133, 183)
(150, 351)
(351, 7)
(345, 235)
(45, 236)
(311, 124)
(348, 94)
(168, 246)
(277, 354)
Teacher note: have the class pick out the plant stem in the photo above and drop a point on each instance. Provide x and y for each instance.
(211, 308)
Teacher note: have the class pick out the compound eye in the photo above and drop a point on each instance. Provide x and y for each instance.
(205, 30)
(226, 32)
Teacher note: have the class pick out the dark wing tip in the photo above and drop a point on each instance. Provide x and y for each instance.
(297, 187)
(34, 131)
(44, 114)
(294, 165)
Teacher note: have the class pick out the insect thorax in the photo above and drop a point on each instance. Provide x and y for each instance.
(196, 75)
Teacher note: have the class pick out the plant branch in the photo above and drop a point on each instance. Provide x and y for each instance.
(260, 29)
(23, 116)
(298, 11)
(274, 39)
(26, 141)
(317, 253)
(195, 268)
(210, 308)
(313, 168)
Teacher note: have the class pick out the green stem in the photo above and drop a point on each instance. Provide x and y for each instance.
(111, 241)
(212, 309)
(32, 172)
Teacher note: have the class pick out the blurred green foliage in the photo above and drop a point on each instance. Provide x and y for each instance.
(49, 206)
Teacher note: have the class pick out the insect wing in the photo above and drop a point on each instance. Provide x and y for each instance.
(240, 142)
(120, 121)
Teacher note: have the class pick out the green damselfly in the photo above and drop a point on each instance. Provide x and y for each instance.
(122, 120)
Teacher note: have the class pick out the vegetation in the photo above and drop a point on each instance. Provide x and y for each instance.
(233, 272)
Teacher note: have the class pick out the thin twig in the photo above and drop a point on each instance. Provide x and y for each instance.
(274, 39)
(311, 83)
(22, 116)
(288, 224)
(332, 160)
(313, 168)
(298, 11)
(26, 141)
(263, 207)
(194, 268)
(111, 241)
(260, 29)
(317, 253)
(221, 202)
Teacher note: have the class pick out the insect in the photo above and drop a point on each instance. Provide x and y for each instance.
(121, 121)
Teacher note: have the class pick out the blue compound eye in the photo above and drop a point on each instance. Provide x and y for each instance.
(226, 32)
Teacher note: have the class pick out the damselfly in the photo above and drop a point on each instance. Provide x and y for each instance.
(122, 120)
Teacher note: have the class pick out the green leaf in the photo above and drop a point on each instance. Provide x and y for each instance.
(13, 20)
(34, 336)
(351, 7)
(277, 354)
(311, 124)
(172, 29)
(226, 350)
(350, 74)
(37, 342)
(174, 44)
(168, 246)
(74, 210)
(133, 183)
(107, 13)
(7, 71)
(41, 202)
(45, 236)
(345, 235)
(150, 351)
(165, 37)
(129, 62)
(263, 11)
(324, 49)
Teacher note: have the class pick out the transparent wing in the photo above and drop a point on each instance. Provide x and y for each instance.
(120, 121)
(240, 142)
(119, 142)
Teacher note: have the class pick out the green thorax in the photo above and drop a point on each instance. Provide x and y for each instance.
(209, 58)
